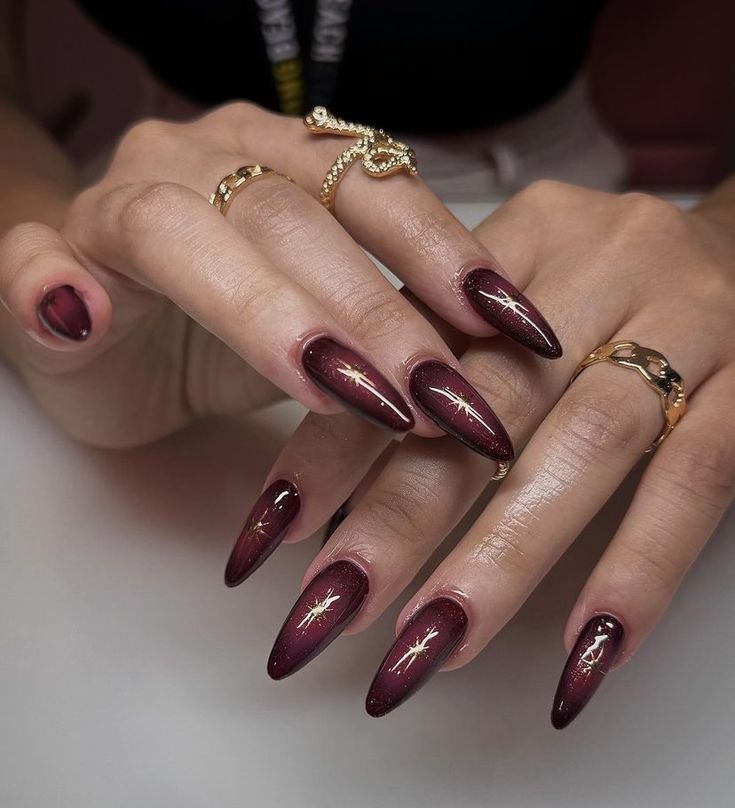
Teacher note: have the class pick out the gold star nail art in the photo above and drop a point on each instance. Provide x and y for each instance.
(418, 649)
(257, 529)
(461, 405)
(317, 611)
(357, 376)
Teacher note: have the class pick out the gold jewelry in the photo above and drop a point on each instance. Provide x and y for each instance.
(230, 185)
(655, 370)
(379, 153)
(502, 469)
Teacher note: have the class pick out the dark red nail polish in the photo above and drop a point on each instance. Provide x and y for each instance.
(591, 658)
(337, 518)
(264, 529)
(503, 306)
(348, 377)
(424, 644)
(64, 313)
(454, 404)
(319, 616)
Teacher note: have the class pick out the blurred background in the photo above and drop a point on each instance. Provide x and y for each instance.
(661, 76)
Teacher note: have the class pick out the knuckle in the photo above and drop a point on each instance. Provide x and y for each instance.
(400, 511)
(542, 191)
(275, 212)
(590, 424)
(504, 550)
(148, 135)
(640, 212)
(650, 558)
(146, 206)
(701, 470)
(509, 389)
(381, 312)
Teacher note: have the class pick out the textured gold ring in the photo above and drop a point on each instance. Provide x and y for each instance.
(654, 368)
(378, 152)
(501, 471)
(232, 184)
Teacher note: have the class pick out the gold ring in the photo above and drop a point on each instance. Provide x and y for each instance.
(230, 185)
(501, 471)
(655, 369)
(379, 153)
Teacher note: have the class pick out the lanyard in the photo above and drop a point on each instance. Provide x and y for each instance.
(278, 28)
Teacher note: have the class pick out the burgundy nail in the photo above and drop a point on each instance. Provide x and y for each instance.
(424, 644)
(64, 313)
(502, 305)
(454, 404)
(591, 658)
(318, 617)
(348, 377)
(264, 529)
(337, 518)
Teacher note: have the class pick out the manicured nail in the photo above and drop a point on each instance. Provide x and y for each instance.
(593, 654)
(64, 313)
(264, 529)
(502, 305)
(424, 644)
(454, 404)
(319, 616)
(352, 380)
(337, 518)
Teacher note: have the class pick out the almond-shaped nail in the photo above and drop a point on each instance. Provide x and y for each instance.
(454, 404)
(594, 652)
(264, 530)
(64, 313)
(319, 616)
(424, 644)
(496, 299)
(352, 380)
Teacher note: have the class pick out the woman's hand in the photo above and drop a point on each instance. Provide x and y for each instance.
(150, 308)
(604, 268)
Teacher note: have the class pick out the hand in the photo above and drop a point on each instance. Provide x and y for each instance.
(605, 268)
(149, 308)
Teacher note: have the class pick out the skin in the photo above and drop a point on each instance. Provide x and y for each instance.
(605, 268)
(196, 330)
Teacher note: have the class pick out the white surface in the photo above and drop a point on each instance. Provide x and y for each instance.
(130, 676)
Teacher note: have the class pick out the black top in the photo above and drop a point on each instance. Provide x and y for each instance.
(411, 65)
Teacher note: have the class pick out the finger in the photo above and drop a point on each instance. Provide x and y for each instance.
(304, 241)
(169, 239)
(401, 222)
(576, 459)
(681, 498)
(378, 547)
(54, 300)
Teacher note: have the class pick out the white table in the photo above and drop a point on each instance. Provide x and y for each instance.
(129, 675)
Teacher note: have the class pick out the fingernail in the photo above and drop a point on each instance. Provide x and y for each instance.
(424, 644)
(319, 616)
(454, 404)
(63, 312)
(352, 380)
(503, 306)
(591, 658)
(337, 518)
(264, 529)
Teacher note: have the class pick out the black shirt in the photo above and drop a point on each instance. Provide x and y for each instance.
(411, 65)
